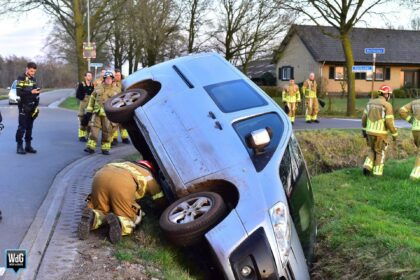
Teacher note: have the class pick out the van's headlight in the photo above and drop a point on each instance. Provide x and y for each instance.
(280, 219)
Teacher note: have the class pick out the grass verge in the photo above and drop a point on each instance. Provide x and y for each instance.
(340, 148)
(71, 103)
(368, 227)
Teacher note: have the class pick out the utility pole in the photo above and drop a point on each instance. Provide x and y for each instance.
(88, 31)
(373, 74)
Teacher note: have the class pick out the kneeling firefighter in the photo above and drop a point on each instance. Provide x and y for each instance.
(377, 119)
(411, 113)
(115, 189)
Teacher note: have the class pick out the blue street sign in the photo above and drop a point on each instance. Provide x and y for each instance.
(374, 50)
(362, 68)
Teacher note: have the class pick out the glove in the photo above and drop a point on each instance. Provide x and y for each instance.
(321, 102)
(411, 120)
(364, 133)
(86, 118)
(35, 113)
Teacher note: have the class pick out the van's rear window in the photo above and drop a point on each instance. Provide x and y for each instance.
(234, 96)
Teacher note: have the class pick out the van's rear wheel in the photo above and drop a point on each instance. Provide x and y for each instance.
(186, 220)
(120, 108)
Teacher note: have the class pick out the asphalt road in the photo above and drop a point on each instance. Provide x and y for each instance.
(26, 179)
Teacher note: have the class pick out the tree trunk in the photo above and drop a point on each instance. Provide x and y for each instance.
(351, 93)
(79, 35)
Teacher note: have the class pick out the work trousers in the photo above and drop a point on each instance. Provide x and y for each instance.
(83, 130)
(311, 108)
(26, 122)
(292, 111)
(415, 173)
(97, 124)
(376, 156)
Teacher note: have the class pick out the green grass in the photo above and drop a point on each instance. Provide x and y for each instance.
(337, 107)
(161, 260)
(71, 103)
(368, 227)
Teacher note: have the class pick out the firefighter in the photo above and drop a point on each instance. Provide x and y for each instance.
(291, 96)
(115, 189)
(28, 91)
(378, 118)
(83, 92)
(116, 126)
(311, 101)
(98, 119)
(411, 113)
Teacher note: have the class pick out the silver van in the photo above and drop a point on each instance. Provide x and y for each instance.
(228, 162)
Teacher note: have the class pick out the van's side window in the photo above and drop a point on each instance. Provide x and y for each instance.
(291, 165)
(286, 171)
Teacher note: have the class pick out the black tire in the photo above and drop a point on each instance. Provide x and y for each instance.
(192, 232)
(120, 108)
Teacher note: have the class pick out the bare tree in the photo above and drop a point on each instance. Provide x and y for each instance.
(248, 27)
(71, 14)
(195, 17)
(342, 15)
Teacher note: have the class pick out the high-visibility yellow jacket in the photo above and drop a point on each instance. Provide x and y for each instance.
(309, 88)
(411, 113)
(378, 118)
(99, 96)
(291, 94)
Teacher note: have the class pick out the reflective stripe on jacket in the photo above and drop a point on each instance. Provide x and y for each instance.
(411, 113)
(309, 89)
(378, 117)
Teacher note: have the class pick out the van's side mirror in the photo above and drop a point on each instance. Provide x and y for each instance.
(259, 139)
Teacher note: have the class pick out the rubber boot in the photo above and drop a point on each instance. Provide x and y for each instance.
(115, 230)
(20, 149)
(29, 148)
(85, 224)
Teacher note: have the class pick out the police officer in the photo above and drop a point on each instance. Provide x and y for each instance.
(28, 91)
(291, 96)
(115, 126)
(115, 189)
(377, 119)
(83, 92)
(311, 101)
(411, 113)
(98, 119)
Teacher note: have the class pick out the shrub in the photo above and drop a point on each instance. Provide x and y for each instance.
(399, 93)
(272, 91)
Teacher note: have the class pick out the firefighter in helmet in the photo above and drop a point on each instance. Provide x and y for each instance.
(98, 119)
(115, 189)
(411, 113)
(311, 101)
(291, 96)
(378, 118)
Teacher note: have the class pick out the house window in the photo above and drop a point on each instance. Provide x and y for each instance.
(360, 76)
(379, 74)
(339, 73)
(286, 73)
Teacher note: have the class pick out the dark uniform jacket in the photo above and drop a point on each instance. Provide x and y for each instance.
(83, 90)
(24, 86)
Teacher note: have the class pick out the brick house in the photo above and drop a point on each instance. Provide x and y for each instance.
(307, 49)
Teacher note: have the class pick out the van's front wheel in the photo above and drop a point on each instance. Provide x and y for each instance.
(120, 108)
(186, 220)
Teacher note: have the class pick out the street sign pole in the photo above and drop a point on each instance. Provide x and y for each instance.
(88, 31)
(373, 74)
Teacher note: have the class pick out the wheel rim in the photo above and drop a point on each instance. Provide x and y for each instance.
(125, 99)
(190, 210)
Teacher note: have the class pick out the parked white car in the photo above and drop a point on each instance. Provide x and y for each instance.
(13, 98)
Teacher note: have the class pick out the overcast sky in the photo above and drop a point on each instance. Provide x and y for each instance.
(26, 35)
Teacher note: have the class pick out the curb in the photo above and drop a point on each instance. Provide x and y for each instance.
(39, 234)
